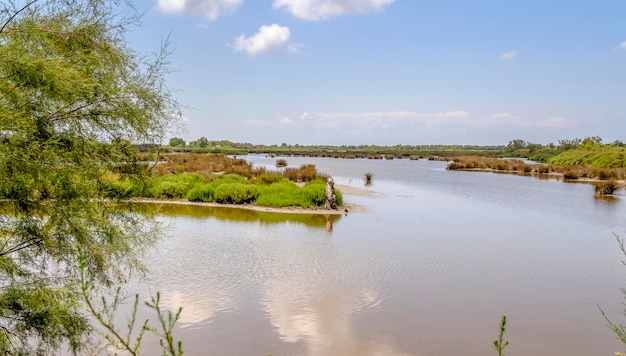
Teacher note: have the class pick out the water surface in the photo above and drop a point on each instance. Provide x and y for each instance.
(428, 270)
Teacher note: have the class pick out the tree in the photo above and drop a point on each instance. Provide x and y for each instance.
(177, 142)
(515, 145)
(73, 94)
(202, 142)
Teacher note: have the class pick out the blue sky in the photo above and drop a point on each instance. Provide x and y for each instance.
(393, 71)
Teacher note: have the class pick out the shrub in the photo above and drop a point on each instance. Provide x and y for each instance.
(268, 178)
(203, 193)
(606, 187)
(281, 194)
(235, 193)
(281, 163)
(227, 179)
(315, 192)
(169, 190)
(307, 173)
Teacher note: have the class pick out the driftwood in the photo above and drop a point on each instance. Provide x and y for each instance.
(331, 199)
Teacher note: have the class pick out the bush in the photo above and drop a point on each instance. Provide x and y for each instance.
(268, 178)
(227, 179)
(281, 163)
(203, 193)
(606, 187)
(235, 193)
(175, 186)
(169, 190)
(281, 194)
(315, 192)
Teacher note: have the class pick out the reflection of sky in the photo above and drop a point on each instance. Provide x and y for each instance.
(198, 305)
(317, 304)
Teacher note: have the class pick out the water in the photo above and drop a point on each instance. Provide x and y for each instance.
(428, 269)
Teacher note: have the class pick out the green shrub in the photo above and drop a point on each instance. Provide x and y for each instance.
(338, 196)
(235, 193)
(203, 193)
(176, 186)
(228, 179)
(281, 194)
(315, 192)
(169, 190)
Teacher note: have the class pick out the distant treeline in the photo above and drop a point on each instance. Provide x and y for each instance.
(589, 151)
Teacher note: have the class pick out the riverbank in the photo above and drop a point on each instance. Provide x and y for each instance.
(343, 209)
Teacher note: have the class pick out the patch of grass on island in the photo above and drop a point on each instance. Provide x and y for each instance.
(238, 184)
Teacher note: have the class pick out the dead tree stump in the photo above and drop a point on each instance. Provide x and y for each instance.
(331, 199)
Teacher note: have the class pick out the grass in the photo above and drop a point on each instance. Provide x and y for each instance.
(368, 178)
(605, 188)
(499, 343)
(599, 156)
(568, 172)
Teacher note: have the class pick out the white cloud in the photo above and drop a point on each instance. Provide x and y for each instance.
(383, 120)
(505, 115)
(323, 9)
(268, 39)
(552, 122)
(286, 121)
(622, 45)
(210, 9)
(295, 47)
(508, 55)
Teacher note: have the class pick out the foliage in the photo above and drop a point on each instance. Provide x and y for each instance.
(618, 329)
(202, 193)
(176, 185)
(235, 193)
(104, 312)
(281, 194)
(202, 142)
(177, 142)
(73, 99)
(591, 154)
(500, 344)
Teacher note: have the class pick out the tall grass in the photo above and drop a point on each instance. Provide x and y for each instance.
(519, 167)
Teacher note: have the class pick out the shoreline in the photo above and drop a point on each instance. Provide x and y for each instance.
(341, 210)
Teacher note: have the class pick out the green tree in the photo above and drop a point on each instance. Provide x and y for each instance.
(177, 142)
(202, 142)
(515, 145)
(73, 95)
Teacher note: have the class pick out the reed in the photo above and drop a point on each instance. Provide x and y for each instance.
(605, 188)
(368, 178)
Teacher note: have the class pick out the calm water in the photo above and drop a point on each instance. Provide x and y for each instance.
(428, 270)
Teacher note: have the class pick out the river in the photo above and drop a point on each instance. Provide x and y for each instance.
(428, 269)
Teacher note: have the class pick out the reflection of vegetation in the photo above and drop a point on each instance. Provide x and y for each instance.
(241, 215)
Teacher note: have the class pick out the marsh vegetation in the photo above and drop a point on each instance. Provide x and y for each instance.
(224, 180)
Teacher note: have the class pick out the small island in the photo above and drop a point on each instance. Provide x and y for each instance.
(219, 180)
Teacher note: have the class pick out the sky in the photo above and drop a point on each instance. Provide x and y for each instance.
(387, 72)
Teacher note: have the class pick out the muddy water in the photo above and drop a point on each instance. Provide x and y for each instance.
(429, 269)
